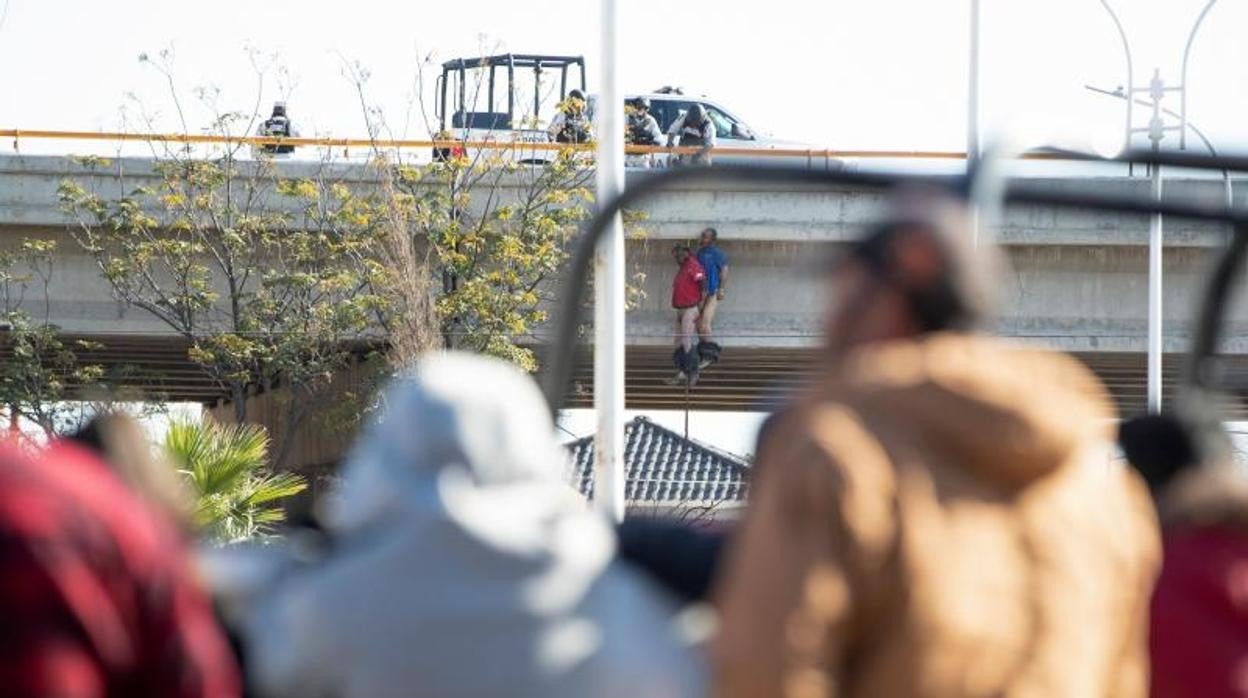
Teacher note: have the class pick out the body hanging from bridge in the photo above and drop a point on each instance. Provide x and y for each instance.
(688, 290)
(715, 265)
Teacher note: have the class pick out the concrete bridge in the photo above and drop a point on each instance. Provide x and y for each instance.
(1078, 279)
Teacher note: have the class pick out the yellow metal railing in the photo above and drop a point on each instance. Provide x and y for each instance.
(389, 143)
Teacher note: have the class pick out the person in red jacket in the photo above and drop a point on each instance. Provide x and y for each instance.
(687, 290)
(96, 595)
(1198, 635)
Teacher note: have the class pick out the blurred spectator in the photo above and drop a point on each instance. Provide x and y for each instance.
(938, 517)
(96, 596)
(678, 555)
(120, 441)
(1199, 634)
(464, 565)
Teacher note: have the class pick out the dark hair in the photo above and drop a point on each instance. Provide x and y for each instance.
(714, 233)
(1158, 447)
(961, 294)
(681, 246)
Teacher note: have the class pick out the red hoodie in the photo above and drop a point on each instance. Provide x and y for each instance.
(96, 593)
(1199, 634)
(687, 286)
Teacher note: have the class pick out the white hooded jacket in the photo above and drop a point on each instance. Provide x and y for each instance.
(465, 566)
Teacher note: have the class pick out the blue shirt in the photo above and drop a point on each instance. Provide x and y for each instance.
(713, 260)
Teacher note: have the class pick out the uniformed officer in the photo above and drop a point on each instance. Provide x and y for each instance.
(693, 129)
(572, 123)
(278, 125)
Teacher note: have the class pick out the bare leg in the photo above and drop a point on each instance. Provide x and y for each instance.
(686, 331)
(688, 327)
(707, 317)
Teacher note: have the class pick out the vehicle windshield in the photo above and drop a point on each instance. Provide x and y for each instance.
(726, 125)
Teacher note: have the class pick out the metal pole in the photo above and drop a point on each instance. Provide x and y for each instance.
(1156, 131)
(609, 284)
(1227, 192)
(972, 112)
(1154, 299)
(1183, 75)
(972, 91)
(1126, 49)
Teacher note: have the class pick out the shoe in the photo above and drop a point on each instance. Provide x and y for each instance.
(678, 379)
(703, 363)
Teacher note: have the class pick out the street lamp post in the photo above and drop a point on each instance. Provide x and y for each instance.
(972, 113)
(1156, 130)
(609, 282)
(1228, 191)
(1187, 50)
(1126, 49)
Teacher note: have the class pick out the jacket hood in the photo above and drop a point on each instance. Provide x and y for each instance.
(1008, 413)
(457, 535)
(455, 417)
(1208, 496)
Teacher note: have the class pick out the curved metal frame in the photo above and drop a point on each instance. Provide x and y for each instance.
(568, 316)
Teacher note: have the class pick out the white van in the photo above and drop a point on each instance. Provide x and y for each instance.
(669, 104)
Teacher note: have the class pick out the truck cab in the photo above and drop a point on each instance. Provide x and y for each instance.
(508, 98)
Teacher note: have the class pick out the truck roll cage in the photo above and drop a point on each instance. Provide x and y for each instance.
(492, 118)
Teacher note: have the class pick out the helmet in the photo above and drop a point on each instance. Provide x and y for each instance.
(576, 94)
(279, 109)
(642, 103)
(697, 114)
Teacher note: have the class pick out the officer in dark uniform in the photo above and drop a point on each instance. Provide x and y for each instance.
(278, 125)
(572, 123)
(693, 129)
(643, 128)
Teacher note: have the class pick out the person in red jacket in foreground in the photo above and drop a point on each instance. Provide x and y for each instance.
(1198, 636)
(96, 595)
(687, 292)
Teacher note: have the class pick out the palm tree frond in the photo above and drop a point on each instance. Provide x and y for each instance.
(226, 467)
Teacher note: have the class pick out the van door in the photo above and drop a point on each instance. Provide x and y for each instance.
(730, 133)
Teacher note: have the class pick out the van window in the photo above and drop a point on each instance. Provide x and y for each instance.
(667, 111)
(723, 122)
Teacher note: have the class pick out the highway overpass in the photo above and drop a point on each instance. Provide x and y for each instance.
(1078, 280)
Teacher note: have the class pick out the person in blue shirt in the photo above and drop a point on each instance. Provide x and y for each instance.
(715, 262)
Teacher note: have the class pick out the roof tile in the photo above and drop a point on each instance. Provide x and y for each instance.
(663, 467)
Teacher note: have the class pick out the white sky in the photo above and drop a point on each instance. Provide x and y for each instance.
(877, 74)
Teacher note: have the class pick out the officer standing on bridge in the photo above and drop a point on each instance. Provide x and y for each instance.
(693, 129)
(278, 125)
(643, 129)
(572, 123)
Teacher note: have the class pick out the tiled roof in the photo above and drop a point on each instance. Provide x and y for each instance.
(663, 467)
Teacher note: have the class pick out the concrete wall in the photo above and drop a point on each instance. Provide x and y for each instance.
(1078, 279)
